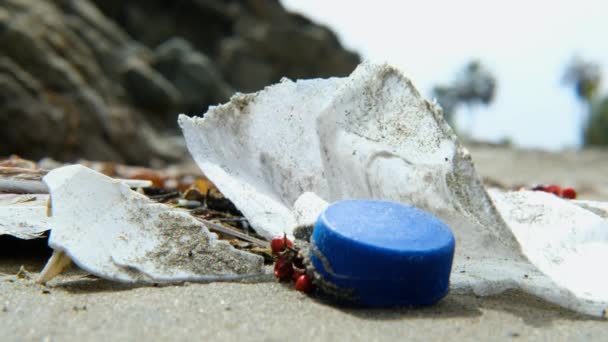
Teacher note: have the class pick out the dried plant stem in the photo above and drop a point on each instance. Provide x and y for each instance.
(233, 232)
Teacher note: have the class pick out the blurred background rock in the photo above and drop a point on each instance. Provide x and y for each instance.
(105, 79)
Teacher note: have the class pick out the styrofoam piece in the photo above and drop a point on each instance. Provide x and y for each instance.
(370, 135)
(118, 234)
(23, 216)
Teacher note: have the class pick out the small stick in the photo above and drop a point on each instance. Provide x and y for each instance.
(231, 219)
(58, 262)
(17, 185)
(21, 186)
(233, 232)
(22, 173)
(166, 196)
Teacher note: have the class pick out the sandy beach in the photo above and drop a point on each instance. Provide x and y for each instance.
(79, 307)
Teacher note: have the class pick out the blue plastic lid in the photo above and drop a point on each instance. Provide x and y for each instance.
(389, 254)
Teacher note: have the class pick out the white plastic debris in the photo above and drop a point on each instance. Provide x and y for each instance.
(372, 135)
(23, 216)
(118, 234)
(600, 208)
(563, 240)
(307, 208)
(264, 150)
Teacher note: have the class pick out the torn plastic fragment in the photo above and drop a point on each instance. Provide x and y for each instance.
(23, 216)
(24, 213)
(599, 208)
(118, 234)
(562, 239)
(371, 135)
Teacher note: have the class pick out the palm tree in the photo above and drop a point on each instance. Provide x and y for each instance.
(586, 78)
(474, 85)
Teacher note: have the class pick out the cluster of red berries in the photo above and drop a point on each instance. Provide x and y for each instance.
(568, 193)
(289, 266)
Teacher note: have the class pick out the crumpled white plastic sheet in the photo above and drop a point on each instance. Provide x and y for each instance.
(118, 234)
(281, 154)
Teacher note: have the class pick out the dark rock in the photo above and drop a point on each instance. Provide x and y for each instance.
(60, 96)
(77, 82)
(149, 89)
(195, 76)
(255, 42)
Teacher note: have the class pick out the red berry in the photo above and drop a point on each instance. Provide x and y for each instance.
(554, 189)
(568, 193)
(277, 244)
(283, 269)
(296, 274)
(304, 283)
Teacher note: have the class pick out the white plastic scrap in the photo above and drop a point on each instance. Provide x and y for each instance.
(564, 241)
(372, 135)
(23, 216)
(118, 234)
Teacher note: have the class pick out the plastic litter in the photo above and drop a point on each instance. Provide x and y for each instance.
(285, 152)
(23, 216)
(118, 234)
(388, 254)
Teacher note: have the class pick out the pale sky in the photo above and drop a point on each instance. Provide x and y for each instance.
(526, 44)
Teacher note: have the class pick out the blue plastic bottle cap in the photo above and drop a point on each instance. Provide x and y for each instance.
(385, 253)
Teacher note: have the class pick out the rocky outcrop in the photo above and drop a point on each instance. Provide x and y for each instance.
(255, 42)
(107, 83)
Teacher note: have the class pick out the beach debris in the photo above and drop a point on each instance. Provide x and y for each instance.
(563, 240)
(304, 283)
(18, 180)
(24, 199)
(24, 216)
(366, 137)
(115, 233)
(598, 208)
(388, 246)
(25, 203)
(289, 264)
(56, 264)
(568, 193)
(279, 244)
(372, 136)
(26, 181)
(22, 176)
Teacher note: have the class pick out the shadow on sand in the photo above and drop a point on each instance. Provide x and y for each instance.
(533, 311)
